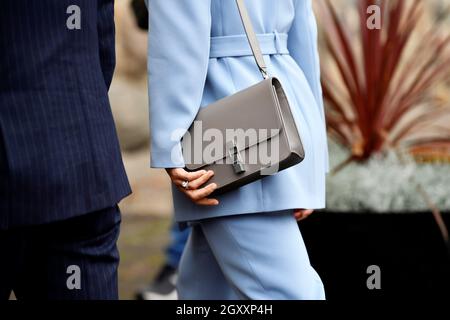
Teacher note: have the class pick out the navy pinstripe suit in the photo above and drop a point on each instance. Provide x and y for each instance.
(60, 162)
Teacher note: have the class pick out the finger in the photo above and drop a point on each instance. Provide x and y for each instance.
(177, 182)
(195, 184)
(182, 175)
(176, 173)
(194, 175)
(208, 202)
(303, 211)
(199, 194)
(298, 216)
(302, 214)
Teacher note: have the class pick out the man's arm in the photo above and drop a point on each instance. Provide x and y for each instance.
(106, 39)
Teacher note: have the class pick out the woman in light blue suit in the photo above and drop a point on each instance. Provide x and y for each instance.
(246, 243)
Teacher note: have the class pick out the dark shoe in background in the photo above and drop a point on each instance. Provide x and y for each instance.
(163, 287)
(140, 12)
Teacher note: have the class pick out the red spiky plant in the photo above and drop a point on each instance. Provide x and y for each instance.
(379, 85)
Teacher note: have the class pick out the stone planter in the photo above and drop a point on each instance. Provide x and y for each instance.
(413, 259)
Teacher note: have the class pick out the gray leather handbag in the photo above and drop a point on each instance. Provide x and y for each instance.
(247, 135)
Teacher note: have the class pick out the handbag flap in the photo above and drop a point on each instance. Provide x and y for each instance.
(247, 118)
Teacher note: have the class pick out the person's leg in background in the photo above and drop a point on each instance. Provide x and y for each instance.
(163, 286)
(178, 242)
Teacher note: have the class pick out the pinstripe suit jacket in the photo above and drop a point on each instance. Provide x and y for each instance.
(59, 153)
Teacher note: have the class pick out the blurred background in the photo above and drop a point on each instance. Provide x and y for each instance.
(388, 195)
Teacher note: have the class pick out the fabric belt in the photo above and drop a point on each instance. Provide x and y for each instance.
(237, 45)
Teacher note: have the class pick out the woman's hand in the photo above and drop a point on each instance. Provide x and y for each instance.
(301, 214)
(195, 180)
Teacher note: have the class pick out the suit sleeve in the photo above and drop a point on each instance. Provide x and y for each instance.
(178, 56)
(303, 47)
(106, 39)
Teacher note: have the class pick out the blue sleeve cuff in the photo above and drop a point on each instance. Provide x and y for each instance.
(167, 158)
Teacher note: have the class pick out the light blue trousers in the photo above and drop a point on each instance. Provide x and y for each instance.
(253, 256)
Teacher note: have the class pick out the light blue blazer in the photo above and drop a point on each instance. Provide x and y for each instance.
(198, 54)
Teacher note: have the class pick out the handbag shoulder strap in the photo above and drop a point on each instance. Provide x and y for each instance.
(252, 39)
